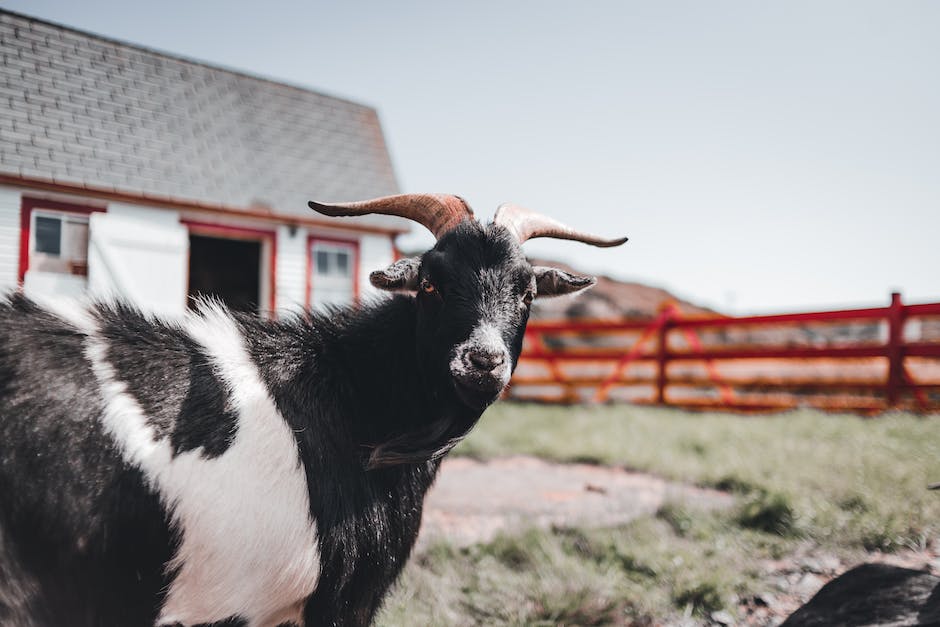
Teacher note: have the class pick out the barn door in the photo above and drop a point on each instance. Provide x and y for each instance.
(139, 256)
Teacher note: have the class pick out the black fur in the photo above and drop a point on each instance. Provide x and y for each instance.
(82, 540)
(337, 404)
(367, 391)
(376, 379)
(171, 378)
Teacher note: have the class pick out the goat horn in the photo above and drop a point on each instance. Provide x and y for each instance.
(526, 224)
(439, 213)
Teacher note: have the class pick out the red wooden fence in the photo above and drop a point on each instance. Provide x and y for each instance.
(864, 360)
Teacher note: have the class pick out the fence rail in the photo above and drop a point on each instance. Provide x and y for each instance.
(864, 360)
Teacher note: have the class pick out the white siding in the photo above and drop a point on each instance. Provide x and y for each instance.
(291, 268)
(9, 237)
(375, 252)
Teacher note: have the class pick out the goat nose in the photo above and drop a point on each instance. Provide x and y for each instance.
(486, 359)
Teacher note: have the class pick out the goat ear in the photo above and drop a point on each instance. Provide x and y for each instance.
(401, 275)
(555, 282)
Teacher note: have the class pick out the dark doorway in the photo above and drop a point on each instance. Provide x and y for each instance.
(229, 269)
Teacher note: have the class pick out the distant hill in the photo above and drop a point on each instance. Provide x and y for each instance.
(609, 299)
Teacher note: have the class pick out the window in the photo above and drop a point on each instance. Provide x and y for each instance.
(59, 242)
(332, 272)
(332, 262)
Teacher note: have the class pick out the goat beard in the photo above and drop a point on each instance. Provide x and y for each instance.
(427, 444)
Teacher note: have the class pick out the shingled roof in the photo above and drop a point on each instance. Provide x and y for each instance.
(84, 110)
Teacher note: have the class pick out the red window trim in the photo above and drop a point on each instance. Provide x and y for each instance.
(352, 243)
(27, 205)
(228, 231)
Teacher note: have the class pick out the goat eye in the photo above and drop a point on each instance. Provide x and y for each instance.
(427, 287)
(527, 298)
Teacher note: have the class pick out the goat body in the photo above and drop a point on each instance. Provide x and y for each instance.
(222, 468)
(151, 471)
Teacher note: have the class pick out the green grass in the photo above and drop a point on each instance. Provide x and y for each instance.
(845, 480)
(804, 482)
(573, 577)
(649, 571)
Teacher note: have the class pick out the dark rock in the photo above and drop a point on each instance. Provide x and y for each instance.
(873, 594)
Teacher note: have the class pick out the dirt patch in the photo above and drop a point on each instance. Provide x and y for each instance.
(472, 501)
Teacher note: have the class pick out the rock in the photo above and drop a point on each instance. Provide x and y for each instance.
(763, 600)
(810, 565)
(721, 617)
(781, 584)
(823, 565)
(830, 564)
(873, 594)
(808, 584)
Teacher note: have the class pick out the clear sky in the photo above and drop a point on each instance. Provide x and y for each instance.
(762, 156)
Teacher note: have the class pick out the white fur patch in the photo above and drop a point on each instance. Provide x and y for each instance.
(71, 310)
(487, 336)
(248, 547)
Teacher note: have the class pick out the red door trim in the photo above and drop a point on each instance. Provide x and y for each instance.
(228, 231)
(27, 204)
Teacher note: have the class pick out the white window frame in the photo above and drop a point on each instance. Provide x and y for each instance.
(317, 244)
(65, 217)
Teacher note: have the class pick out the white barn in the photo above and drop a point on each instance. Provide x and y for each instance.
(128, 171)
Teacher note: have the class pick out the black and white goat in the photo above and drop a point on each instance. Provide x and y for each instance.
(222, 468)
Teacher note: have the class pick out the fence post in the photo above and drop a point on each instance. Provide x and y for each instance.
(662, 357)
(895, 350)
